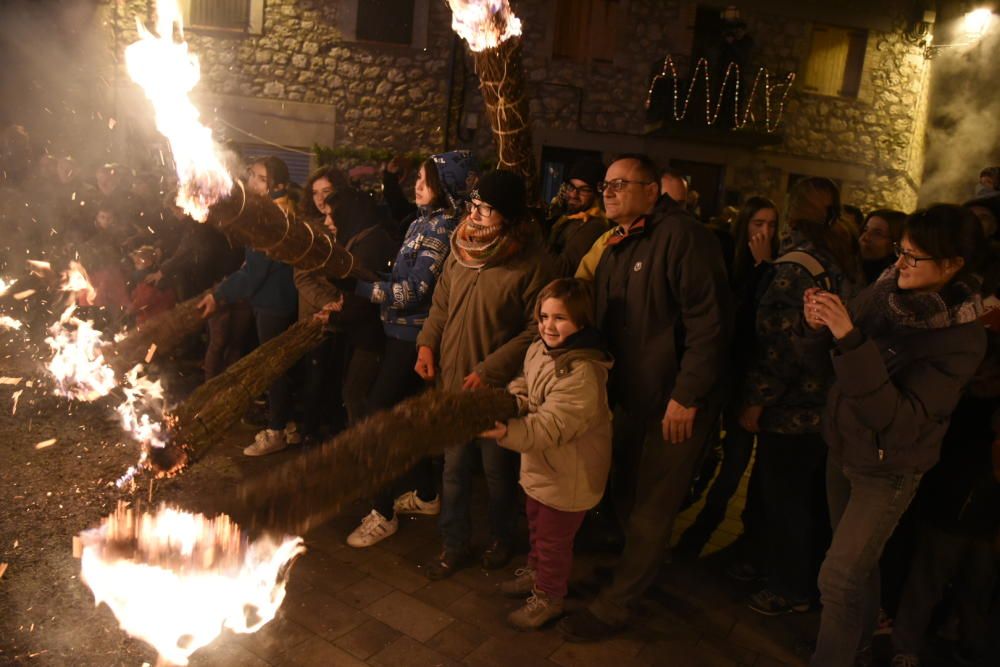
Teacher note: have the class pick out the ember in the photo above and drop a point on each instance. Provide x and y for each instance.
(175, 579)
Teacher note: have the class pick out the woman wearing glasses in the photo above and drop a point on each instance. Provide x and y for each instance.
(902, 354)
(882, 230)
(480, 325)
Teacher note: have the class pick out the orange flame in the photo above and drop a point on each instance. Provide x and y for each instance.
(175, 579)
(167, 73)
(484, 24)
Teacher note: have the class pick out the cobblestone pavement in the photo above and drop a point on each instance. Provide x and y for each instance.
(351, 607)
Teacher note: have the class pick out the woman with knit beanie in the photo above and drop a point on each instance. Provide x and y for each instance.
(476, 335)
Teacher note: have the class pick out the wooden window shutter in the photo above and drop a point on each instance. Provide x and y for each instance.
(827, 57)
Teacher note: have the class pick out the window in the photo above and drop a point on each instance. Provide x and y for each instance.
(387, 21)
(586, 30)
(399, 22)
(244, 16)
(836, 59)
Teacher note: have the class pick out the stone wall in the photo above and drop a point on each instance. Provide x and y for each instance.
(396, 97)
(386, 97)
(880, 134)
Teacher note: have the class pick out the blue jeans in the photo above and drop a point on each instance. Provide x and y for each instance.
(501, 468)
(864, 510)
(279, 394)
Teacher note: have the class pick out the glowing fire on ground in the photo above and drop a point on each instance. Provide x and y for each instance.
(484, 24)
(167, 72)
(81, 372)
(77, 363)
(175, 579)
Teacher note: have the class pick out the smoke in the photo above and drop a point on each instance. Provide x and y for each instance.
(57, 74)
(963, 131)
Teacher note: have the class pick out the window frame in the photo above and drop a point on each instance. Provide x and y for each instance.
(852, 72)
(347, 22)
(255, 20)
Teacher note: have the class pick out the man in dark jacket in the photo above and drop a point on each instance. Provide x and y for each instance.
(576, 219)
(663, 305)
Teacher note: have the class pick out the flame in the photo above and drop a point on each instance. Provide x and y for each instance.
(484, 24)
(8, 322)
(82, 373)
(77, 363)
(77, 281)
(5, 285)
(167, 72)
(175, 579)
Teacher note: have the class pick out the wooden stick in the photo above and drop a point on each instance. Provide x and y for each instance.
(310, 489)
(502, 84)
(166, 331)
(205, 417)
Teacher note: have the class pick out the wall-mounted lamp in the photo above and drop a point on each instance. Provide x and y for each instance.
(975, 24)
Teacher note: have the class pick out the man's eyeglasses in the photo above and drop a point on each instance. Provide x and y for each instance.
(908, 257)
(618, 185)
(584, 190)
(485, 210)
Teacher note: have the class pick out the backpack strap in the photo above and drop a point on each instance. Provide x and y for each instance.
(808, 262)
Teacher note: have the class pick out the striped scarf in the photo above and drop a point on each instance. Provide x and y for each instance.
(477, 245)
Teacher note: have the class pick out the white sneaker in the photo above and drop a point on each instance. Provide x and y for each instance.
(267, 441)
(410, 503)
(373, 529)
(292, 435)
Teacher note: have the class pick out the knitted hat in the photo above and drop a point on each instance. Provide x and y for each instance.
(504, 191)
(587, 169)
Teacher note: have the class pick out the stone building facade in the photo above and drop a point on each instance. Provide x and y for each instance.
(303, 80)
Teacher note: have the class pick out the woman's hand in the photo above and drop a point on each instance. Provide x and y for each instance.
(498, 432)
(472, 381)
(832, 313)
(425, 363)
(760, 248)
(809, 309)
(323, 314)
(207, 305)
(750, 418)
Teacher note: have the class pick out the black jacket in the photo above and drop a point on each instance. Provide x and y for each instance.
(664, 305)
(896, 388)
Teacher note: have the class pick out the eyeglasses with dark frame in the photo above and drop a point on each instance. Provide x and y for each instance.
(484, 210)
(569, 189)
(908, 257)
(619, 184)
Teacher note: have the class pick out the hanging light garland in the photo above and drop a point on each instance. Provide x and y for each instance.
(740, 120)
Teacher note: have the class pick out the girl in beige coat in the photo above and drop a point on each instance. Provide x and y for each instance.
(564, 437)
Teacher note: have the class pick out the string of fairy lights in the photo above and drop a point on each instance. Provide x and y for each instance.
(772, 112)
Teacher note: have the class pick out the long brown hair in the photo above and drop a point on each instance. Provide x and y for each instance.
(338, 179)
(814, 212)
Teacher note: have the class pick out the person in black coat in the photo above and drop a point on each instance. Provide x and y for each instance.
(903, 352)
(756, 234)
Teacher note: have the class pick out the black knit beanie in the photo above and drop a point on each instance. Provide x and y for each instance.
(504, 191)
(587, 169)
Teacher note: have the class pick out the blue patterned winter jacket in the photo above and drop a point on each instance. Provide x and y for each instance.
(405, 294)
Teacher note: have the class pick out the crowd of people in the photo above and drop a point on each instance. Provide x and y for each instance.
(853, 358)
